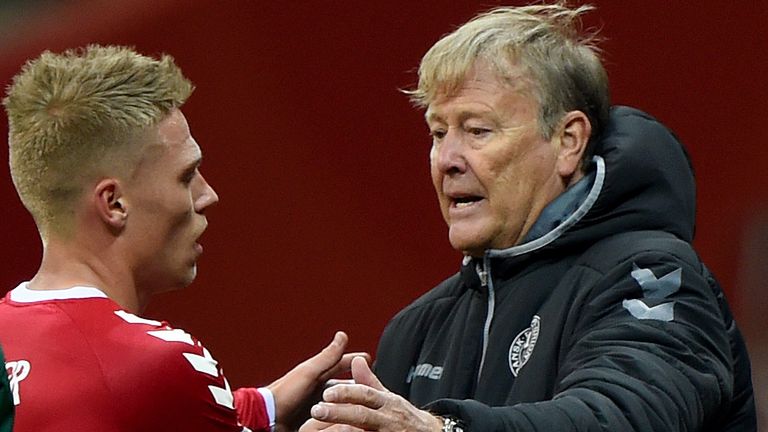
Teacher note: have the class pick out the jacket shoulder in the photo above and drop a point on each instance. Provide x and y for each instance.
(604, 255)
(445, 293)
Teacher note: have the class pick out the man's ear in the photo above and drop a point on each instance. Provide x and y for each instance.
(574, 133)
(110, 204)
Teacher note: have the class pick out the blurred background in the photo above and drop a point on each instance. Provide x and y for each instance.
(327, 217)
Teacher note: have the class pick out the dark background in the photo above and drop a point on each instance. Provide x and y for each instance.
(327, 217)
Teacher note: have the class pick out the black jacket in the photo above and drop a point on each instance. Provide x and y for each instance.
(607, 321)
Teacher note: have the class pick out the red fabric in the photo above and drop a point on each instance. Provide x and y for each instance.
(91, 370)
(251, 409)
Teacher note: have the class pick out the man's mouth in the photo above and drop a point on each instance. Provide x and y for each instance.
(197, 246)
(461, 202)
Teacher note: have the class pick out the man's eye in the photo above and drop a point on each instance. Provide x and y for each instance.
(187, 178)
(478, 131)
(437, 134)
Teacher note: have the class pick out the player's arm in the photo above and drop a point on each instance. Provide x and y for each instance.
(296, 391)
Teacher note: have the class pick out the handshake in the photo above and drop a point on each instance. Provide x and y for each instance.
(359, 404)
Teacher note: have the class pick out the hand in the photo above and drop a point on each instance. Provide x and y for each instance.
(297, 390)
(367, 406)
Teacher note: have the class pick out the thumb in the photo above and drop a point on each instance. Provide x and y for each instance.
(329, 356)
(362, 374)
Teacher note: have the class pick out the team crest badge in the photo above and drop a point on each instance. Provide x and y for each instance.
(522, 347)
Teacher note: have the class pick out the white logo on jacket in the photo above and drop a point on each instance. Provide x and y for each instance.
(425, 370)
(522, 347)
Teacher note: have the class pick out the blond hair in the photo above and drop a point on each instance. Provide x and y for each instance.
(80, 114)
(564, 68)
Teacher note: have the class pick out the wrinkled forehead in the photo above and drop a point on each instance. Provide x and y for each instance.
(450, 79)
(482, 83)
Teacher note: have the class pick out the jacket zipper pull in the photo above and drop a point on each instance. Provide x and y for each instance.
(482, 273)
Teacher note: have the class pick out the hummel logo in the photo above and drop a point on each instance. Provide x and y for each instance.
(424, 370)
(657, 288)
(17, 371)
(639, 310)
(202, 363)
(654, 288)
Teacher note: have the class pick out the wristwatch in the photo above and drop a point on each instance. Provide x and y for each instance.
(452, 424)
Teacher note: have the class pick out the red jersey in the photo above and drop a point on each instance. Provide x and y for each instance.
(78, 362)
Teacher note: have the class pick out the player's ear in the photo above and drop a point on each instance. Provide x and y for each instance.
(573, 135)
(110, 204)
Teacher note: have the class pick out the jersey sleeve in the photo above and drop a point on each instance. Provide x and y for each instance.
(255, 407)
(176, 384)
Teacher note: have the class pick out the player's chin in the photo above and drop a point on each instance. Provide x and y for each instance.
(190, 276)
(183, 277)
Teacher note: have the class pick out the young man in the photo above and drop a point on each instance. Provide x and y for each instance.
(102, 157)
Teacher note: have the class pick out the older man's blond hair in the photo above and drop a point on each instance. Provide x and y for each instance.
(79, 115)
(562, 65)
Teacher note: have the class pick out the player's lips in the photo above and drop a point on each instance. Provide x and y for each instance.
(197, 246)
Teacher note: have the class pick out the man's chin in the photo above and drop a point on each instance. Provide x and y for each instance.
(182, 281)
(467, 243)
(190, 277)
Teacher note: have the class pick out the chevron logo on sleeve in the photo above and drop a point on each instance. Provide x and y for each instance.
(657, 287)
(205, 363)
(654, 288)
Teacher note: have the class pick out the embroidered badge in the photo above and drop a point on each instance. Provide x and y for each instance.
(522, 347)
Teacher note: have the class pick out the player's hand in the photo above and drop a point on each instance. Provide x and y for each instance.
(297, 390)
(367, 406)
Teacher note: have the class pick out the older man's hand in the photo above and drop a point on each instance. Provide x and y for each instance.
(297, 390)
(367, 406)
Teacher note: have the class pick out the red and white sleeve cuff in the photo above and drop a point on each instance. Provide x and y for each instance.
(269, 402)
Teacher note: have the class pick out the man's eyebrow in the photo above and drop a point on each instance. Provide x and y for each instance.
(462, 116)
(193, 165)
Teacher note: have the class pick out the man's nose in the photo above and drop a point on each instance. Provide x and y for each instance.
(448, 154)
(206, 197)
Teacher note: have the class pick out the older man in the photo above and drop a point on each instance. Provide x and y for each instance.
(580, 304)
(103, 158)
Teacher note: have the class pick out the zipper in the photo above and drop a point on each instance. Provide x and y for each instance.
(484, 273)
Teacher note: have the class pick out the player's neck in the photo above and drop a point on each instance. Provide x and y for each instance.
(65, 264)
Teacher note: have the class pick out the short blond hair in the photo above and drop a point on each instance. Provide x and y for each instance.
(563, 66)
(79, 114)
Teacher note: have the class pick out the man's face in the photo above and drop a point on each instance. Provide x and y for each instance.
(491, 168)
(166, 199)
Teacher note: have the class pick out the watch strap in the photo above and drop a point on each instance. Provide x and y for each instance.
(452, 424)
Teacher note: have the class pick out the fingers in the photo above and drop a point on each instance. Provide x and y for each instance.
(344, 364)
(333, 382)
(347, 358)
(356, 416)
(328, 359)
(356, 394)
(313, 425)
(371, 410)
(362, 374)
(364, 355)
